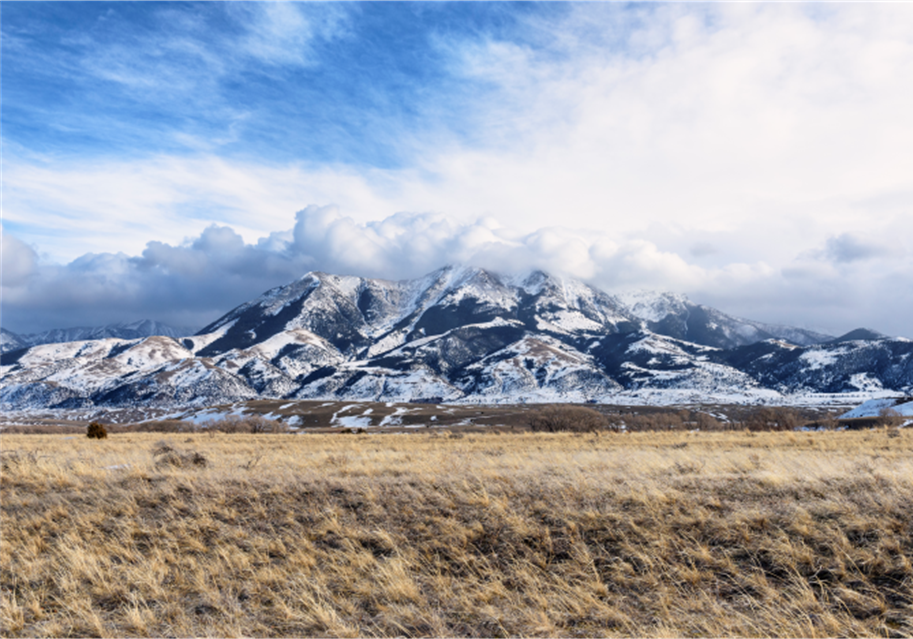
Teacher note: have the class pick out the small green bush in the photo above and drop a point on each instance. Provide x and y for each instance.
(97, 431)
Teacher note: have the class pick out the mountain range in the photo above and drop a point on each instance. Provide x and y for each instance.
(10, 341)
(458, 334)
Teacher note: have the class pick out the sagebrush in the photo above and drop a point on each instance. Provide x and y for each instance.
(96, 431)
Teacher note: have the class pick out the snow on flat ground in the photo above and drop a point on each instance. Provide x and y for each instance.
(395, 418)
(212, 414)
(352, 421)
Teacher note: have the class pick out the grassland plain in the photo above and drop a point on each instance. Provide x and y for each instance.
(642, 534)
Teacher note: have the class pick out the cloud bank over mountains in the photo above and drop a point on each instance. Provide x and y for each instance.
(755, 157)
(193, 282)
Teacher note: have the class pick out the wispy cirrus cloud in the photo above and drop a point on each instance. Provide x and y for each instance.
(283, 33)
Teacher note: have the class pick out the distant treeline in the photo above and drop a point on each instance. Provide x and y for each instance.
(552, 418)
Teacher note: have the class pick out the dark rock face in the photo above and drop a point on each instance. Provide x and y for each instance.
(457, 333)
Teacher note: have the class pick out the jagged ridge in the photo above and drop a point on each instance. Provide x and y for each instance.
(10, 341)
(458, 334)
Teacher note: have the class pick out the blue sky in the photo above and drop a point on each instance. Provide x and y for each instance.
(171, 160)
(316, 83)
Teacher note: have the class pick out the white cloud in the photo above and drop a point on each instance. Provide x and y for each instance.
(730, 114)
(18, 261)
(758, 108)
(756, 156)
(281, 33)
(194, 282)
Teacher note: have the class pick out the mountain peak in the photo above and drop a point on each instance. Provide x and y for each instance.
(859, 334)
(652, 306)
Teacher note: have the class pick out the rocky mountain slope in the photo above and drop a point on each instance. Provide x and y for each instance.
(458, 334)
(10, 341)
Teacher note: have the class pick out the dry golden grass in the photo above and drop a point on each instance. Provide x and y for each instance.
(647, 534)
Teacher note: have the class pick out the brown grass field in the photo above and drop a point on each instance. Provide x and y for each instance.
(463, 534)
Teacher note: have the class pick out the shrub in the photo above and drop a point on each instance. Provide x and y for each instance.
(773, 418)
(246, 424)
(555, 419)
(42, 429)
(705, 421)
(97, 431)
(890, 417)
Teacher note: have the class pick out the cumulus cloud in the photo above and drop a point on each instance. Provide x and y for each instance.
(18, 260)
(193, 282)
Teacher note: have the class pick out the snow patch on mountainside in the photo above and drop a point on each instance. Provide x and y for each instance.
(568, 321)
(61, 353)
(152, 352)
(817, 359)
(652, 306)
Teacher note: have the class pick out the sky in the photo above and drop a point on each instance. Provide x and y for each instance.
(173, 160)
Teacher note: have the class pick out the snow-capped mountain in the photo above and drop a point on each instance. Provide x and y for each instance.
(860, 334)
(366, 318)
(458, 334)
(10, 341)
(676, 316)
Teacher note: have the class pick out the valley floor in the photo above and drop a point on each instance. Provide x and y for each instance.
(458, 534)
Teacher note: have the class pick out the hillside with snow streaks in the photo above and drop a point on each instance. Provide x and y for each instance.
(676, 316)
(10, 341)
(457, 335)
(883, 406)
